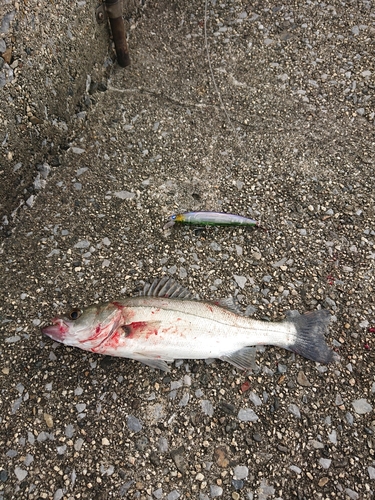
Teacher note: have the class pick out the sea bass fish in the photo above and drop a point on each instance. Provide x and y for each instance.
(165, 323)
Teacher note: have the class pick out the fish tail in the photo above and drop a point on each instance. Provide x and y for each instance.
(309, 341)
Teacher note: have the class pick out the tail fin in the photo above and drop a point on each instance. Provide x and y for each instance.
(309, 341)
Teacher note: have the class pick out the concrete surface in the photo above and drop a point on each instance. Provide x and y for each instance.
(272, 118)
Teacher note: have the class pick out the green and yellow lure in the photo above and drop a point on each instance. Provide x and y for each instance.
(210, 219)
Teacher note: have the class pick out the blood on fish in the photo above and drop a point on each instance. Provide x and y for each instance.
(118, 305)
(62, 328)
(114, 341)
(98, 331)
(139, 328)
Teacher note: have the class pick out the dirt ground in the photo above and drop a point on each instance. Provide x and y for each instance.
(261, 109)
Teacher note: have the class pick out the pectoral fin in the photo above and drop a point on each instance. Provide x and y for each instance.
(244, 359)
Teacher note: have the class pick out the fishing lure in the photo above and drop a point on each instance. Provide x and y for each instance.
(210, 219)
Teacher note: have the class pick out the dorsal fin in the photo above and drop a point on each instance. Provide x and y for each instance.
(230, 303)
(166, 287)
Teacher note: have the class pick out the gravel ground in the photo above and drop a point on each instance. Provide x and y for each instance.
(274, 121)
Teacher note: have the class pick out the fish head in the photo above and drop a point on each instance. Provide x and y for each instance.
(86, 328)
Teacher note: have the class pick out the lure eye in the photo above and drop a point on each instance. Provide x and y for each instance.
(173, 217)
(75, 314)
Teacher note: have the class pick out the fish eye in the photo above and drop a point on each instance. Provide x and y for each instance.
(75, 314)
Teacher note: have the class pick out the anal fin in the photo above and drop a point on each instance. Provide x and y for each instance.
(244, 359)
(149, 360)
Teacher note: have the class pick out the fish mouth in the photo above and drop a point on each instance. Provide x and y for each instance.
(57, 330)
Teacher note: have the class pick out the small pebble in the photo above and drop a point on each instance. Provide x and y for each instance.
(69, 431)
(317, 444)
(302, 380)
(294, 410)
(77, 151)
(361, 406)
(332, 436)
(124, 195)
(178, 456)
(247, 415)
(80, 407)
(176, 384)
(255, 399)
(29, 459)
(227, 408)
(237, 484)
(207, 407)
(4, 475)
(184, 400)
(173, 495)
(49, 420)
(215, 491)
(158, 493)
(142, 443)
(61, 449)
(349, 418)
(134, 424)
(240, 280)
(82, 244)
(58, 494)
(163, 445)
(20, 473)
(241, 472)
(338, 400)
(352, 494)
(325, 463)
(221, 457)
(78, 444)
(42, 436)
(295, 469)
